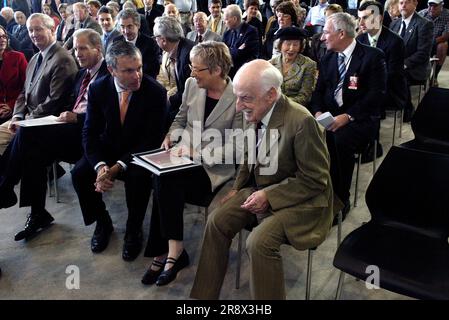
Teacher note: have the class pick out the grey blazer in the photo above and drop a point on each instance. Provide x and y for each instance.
(112, 35)
(418, 44)
(50, 92)
(208, 36)
(223, 116)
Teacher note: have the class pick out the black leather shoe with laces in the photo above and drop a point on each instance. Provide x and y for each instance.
(35, 222)
(102, 233)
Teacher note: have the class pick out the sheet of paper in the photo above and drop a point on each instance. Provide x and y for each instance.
(44, 121)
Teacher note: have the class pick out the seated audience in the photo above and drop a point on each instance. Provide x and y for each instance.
(128, 21)
(93, 6)
(172, 11)
(151, 11)
(200, 32)
(241, 38)
(129, 5)
(12, 76)
(67, 26)
(317, 48)
(33, 149)
(8, 14)
(169, 37)
(49, 78)
(22, 36)
(125, 115)
(440, 17)
(252, 17)
(286, 17)
(215, 21)
(208, 104)
(289, 197)
(46, 9)
(107, 23)
(316, 17)
(351, 86)
(417, 33)
(82, 21)
(392, 9)
(298, 71)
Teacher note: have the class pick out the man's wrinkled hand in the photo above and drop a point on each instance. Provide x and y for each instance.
(256, 203)
(340, 121)
(67, 116)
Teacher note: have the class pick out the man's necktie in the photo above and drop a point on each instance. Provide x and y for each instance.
(214, 25)
(82, 92)
(341, 73)
(36, 67)
(200, 38)
(233, 38)
(403, 30)
(124, 97)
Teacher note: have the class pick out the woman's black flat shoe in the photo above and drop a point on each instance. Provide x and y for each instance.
(151, 276)
(169, 275)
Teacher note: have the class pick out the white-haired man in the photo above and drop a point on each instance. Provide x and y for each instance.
(49, 78)
(292, 204)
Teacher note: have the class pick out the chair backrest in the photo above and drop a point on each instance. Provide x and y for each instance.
(431, 119)
(410, 190)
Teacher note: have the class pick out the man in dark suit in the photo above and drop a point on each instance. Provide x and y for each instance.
(351, 86)
(151, 11)
(49, 78)
(374, 34)
(169, 37)
(417, 33)
(241, 38)
(129, 23)
(82, 21)
(200, 32)
(33, 149)
(21, 34)
(107, 23)
(125, 114)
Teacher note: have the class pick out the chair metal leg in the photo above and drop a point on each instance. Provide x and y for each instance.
(394, 126)
(341, 279)
(401, 121)
(375, 157)
(340, 218)
(359, 162)
(50, 194)
(55, 181)
(309, 273)
(239, 260)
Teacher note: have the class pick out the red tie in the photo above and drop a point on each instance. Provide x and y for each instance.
(81, 93)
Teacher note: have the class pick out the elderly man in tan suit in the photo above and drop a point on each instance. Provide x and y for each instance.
(292, 203)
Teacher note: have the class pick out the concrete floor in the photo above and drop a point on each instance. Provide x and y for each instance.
(39, 268)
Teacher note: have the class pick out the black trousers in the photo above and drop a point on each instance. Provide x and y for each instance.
(138, 183)
(343, 145)
(171, 192)
(29, 154)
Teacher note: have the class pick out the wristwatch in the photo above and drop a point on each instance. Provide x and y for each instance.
(350, 118)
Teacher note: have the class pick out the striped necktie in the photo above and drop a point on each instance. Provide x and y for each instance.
(341, 73)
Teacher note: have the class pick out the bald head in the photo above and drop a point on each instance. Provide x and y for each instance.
(200, 22)
(257, 86)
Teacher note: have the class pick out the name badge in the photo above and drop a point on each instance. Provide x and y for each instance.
(353, 82)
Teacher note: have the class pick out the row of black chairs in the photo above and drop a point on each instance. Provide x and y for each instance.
(406, 239)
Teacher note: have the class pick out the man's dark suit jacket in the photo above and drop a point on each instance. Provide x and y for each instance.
(393, 47)
(418, 44)
(59, 32)
(155, 12)
(183, 70)
(105, 139)
(247, 35)
(368, 65)
(150, 54)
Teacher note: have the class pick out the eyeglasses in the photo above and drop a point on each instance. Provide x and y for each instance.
(4, 36)
(197, 70)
